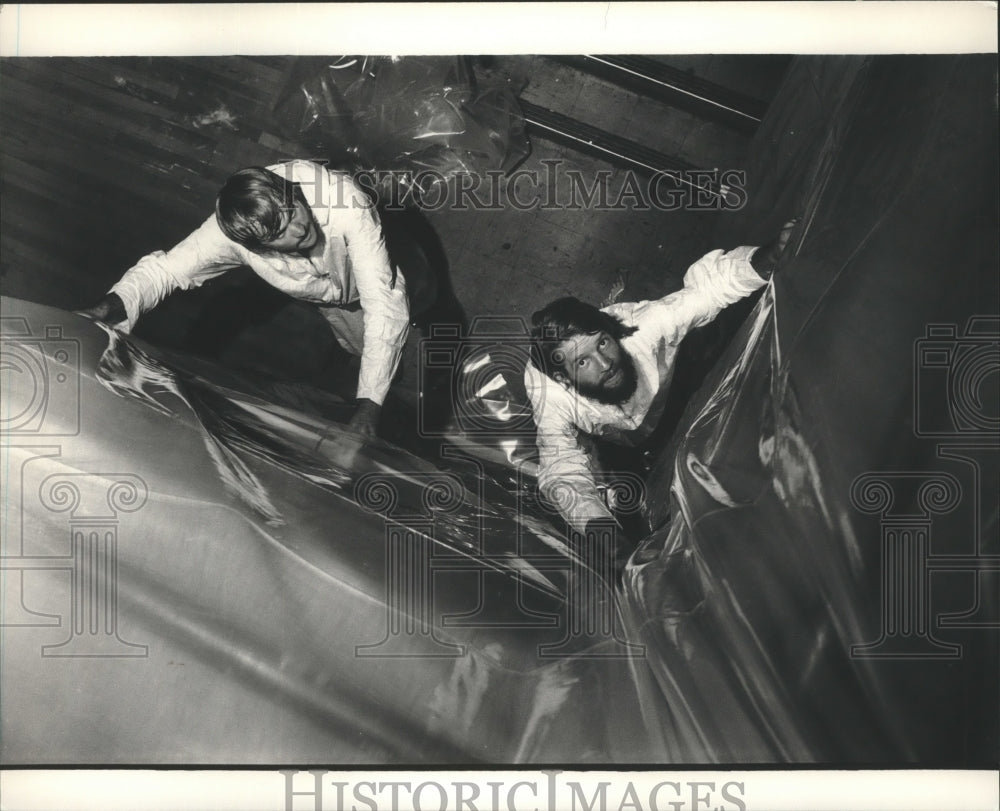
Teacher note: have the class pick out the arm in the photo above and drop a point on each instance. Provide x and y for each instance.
(202, 255)
(712, 283)
(719, 279)
(565, 476)
(383, 301)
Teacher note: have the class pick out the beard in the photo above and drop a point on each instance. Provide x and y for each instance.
(619, 392)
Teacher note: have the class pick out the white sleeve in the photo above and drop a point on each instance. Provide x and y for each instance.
(722, 278)
(201, 256)
(565, 475)
(384, 304)
(712, 283)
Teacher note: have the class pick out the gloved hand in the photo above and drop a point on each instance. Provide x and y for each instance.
(765, 259)
(365, 419)
(109, 310)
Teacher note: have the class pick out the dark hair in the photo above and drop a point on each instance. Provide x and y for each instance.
(252, 203)
(566, 318)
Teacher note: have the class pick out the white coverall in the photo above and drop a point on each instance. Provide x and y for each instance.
(566, 473)
(350, 264)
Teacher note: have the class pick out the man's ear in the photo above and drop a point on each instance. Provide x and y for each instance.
(561, 377)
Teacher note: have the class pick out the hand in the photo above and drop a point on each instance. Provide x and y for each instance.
(343, 445)
(110, 310)
(365, 419)
(786, 234)
(765, 259)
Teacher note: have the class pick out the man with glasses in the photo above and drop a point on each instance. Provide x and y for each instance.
(308, 231)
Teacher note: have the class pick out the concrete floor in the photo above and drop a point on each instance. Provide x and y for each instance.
(509, 262)
(513, 261)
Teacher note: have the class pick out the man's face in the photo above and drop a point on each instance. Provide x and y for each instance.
(299, 231)
(598, 367)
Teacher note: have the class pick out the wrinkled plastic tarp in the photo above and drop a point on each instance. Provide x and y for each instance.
(415, 121)
(844, 445)
(252, 554)
(823, 585)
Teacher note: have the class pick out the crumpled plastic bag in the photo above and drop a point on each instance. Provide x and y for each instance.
(412, 123)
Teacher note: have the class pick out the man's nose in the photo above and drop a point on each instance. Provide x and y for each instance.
(603, 362)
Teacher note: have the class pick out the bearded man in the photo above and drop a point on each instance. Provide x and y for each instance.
(605, 373)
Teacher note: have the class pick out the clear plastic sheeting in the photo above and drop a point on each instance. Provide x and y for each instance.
(406, 124)
(238, 428)
(280, 590)
(820, 580)
(822, 583)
